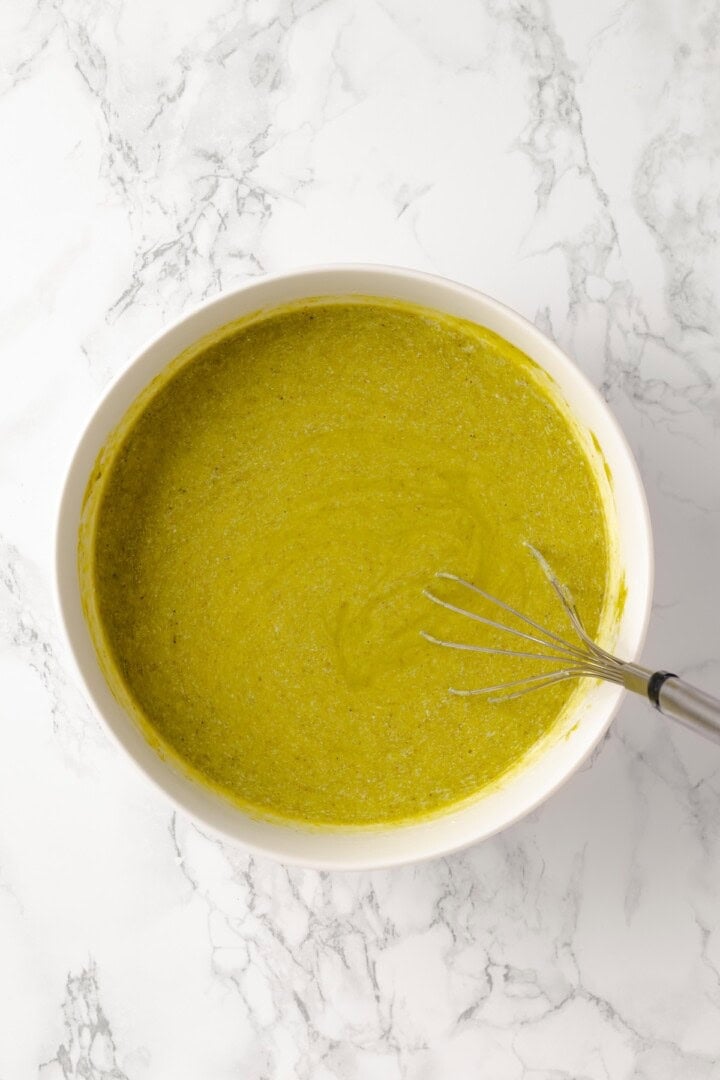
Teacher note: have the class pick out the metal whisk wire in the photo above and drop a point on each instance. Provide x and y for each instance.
(575, 660)
(586, 660)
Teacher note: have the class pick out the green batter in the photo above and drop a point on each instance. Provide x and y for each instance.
(258, 531)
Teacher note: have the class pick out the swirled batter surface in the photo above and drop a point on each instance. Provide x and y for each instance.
(258, 532)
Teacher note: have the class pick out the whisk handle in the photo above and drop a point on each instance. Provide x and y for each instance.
(692, 707)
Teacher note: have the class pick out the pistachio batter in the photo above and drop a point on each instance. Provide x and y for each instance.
(258, 531)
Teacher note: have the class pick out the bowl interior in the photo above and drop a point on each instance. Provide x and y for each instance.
(543, 772)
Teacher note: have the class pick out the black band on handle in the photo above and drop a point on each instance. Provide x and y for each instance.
(655, 684)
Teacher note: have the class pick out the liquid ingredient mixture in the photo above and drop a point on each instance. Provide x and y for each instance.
(258, 531)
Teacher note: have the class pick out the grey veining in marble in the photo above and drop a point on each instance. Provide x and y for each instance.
(563, 157)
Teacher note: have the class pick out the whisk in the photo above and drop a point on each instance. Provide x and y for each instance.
(582, 658)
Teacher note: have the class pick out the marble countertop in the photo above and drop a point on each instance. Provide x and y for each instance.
(563, 157)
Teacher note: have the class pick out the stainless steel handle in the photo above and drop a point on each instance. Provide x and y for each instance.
(692, 707)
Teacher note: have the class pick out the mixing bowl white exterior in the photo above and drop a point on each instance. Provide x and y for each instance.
(525, 788)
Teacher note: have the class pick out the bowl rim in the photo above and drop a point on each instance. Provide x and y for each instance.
(65, 530)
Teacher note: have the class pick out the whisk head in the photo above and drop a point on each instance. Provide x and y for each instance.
(581, 658)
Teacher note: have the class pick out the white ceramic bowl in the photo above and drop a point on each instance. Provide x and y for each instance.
(544, 771)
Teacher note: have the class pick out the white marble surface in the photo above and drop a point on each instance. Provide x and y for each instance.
(562, 156)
